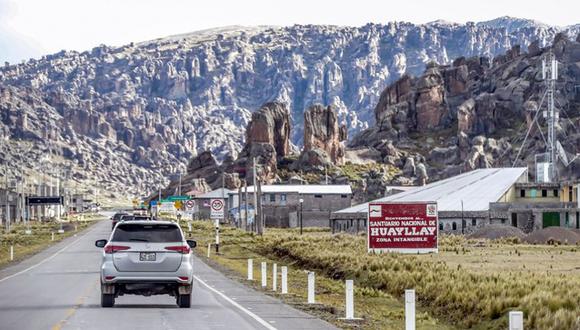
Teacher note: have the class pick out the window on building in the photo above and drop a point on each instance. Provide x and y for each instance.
(522, 193)
(514, 219)
(272, 197)
(454, 226)
(544, 193)
(473, 222)
(343, 196)
(503, 221)
(570, 194)
(440, 227)
(317, 196)
(556, 192)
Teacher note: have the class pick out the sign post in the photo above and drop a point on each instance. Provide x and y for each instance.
(402, 227)
(217, 213)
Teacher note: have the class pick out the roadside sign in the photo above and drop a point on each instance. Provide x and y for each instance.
(217, 209)
(178, 204)
(153, 203)
(44, 200)
(178, 198)
(402, 227)
(189, 204)
(167, 207)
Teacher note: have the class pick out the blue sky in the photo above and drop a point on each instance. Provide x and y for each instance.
(31, 28)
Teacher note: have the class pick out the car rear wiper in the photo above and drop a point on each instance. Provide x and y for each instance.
(139, 240)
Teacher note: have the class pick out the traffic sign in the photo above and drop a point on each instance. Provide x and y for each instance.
(189, 204)
(44, 200)
(178, 204)
(178, 198)
(217, 209)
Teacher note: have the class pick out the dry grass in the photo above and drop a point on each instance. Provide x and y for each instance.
(26, 245)
(464, 285)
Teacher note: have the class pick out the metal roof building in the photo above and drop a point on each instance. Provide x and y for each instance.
(468, 192)
(305, 189)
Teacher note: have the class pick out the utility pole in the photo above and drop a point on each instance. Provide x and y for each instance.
(259, 209)
(7, 213)
(239, 224)
(245, 206)
(256, 222)
(179, 191)
(301, 201)
(159, 201)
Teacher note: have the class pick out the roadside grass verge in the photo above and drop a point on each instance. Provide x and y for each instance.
(379, 309)
(40, 238)
(455, 288)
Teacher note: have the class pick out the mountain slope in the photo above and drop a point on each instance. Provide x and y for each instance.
(154, 104)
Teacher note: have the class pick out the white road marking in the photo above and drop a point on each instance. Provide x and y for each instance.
(47, 259)
(240, 307)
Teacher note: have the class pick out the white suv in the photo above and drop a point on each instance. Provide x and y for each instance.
(146, 258)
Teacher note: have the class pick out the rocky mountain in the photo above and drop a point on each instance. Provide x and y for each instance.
(477, 112)
(128, 116)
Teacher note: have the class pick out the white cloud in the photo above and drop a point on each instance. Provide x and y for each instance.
(33, 27)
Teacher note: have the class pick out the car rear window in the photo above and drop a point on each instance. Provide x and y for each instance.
(118, 216)
(147, 233)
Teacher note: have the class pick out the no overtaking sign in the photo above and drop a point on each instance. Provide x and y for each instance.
(217, 208)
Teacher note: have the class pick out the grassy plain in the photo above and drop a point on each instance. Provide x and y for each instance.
(467, 285)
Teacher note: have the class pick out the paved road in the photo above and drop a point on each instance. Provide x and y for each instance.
(59, 289)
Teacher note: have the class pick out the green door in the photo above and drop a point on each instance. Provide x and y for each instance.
(550, 219)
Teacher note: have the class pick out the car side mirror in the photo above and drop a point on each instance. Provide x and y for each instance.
(192, 244)
(101, 243)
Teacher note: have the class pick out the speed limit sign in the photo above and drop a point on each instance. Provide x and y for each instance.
(217, 208)
(189, 204)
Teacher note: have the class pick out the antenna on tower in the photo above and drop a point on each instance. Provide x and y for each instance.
(545, 163)
(546, 167)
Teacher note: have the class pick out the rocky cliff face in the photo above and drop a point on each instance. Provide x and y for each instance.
(138, 112)
(468, 114)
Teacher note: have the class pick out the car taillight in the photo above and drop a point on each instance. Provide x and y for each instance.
(183, 278)
(184, 249)
(109, 278)
(115, 248)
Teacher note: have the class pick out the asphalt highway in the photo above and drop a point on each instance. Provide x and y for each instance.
(59, 289)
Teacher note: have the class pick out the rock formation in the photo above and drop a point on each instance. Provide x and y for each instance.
(267, 141)
(476, 99)
(322, 132)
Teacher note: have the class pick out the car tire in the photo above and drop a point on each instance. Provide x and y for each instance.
(184, 300)
(107, 300)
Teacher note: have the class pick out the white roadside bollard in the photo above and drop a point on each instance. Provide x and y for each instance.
(208, 249)
(409, 309)
(11, 252)
(349, 299)
(264, 274)
(516, 320)
(52, 236)
(250, 270)
(189, 227)
(284, 280)
(274, 277)
(311, 299)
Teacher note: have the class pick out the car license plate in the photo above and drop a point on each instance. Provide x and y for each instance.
(147, 256)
